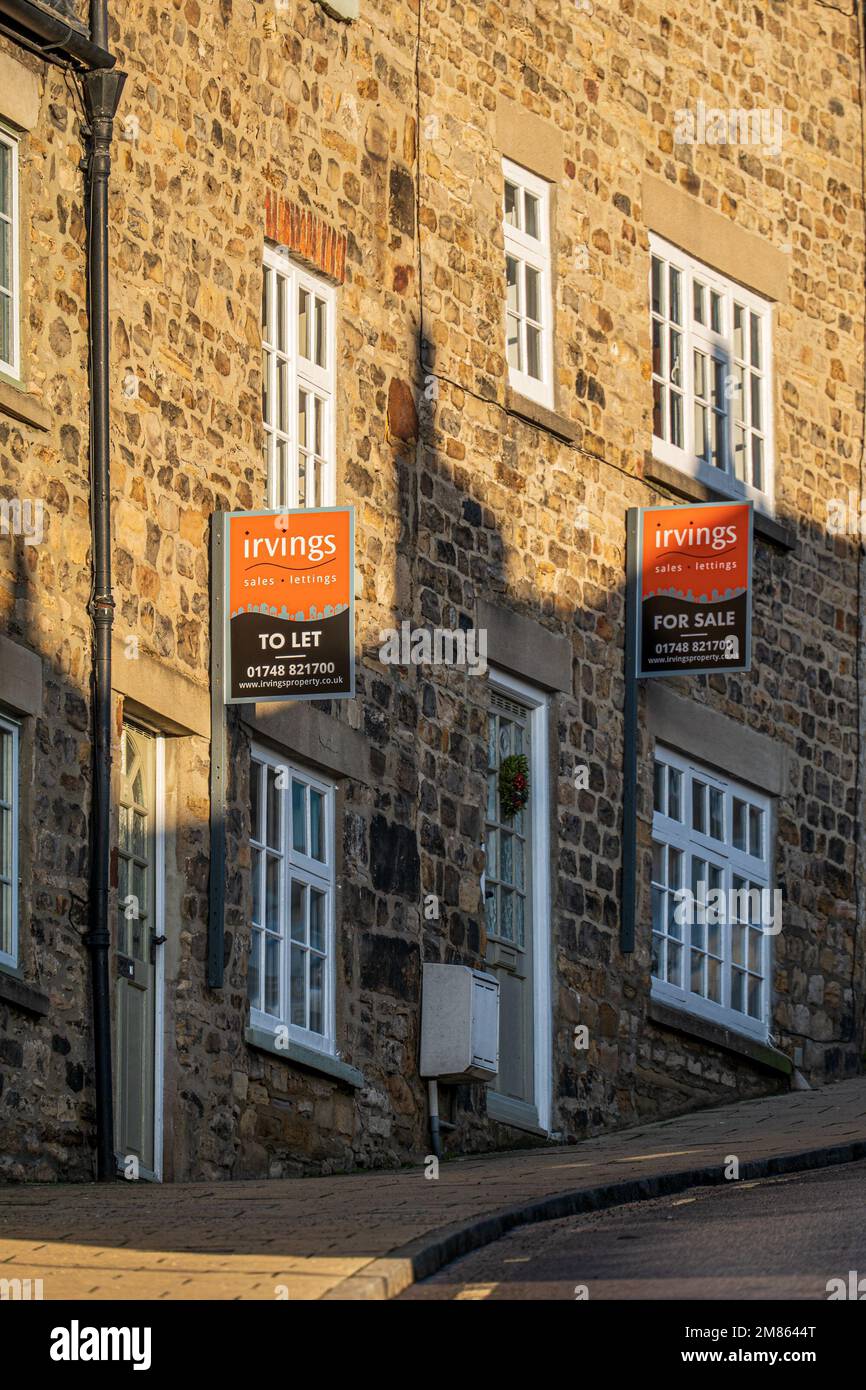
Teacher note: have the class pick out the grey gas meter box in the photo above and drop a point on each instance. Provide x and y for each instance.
(459, 1023)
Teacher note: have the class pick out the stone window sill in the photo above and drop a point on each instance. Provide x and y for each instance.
(539, 415)
(304, 1056)
(21, 996)
(762, 1054)
(694, 491)
(20, 405)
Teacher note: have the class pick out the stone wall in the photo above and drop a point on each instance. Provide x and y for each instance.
(240, 119)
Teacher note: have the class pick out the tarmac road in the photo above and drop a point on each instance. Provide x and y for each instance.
(778, 1238)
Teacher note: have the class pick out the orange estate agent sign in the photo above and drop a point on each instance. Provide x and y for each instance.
(289, 604)
(694, 589)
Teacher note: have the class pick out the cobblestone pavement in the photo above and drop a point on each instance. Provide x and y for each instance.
(368, 1235)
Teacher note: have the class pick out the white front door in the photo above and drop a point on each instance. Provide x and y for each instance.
(139, 940)
(517, 906)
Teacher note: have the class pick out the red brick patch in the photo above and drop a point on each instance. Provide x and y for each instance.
(307, 236)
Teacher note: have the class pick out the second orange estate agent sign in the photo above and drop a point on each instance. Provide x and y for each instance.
(694, 589)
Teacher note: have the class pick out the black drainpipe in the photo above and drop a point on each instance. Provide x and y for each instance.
(102, 91)
(101, 96)
(69, 47)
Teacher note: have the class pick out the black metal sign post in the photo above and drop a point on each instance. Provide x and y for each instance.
(630, 740)
(218, 758)
(688, 613)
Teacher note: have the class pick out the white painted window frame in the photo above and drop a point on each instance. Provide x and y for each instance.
(536, 253)
(13, 291)
(732, 862)
(537, 705)
(720, 347)
(321, 876)
(11, 729)
(284, 276)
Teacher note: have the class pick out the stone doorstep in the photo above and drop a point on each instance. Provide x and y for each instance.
(387, 1277)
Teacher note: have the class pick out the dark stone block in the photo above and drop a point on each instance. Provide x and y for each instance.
(75, 1076)
(11, 1052)
(390, 966)
(394, 862)
(402, 415)
(401, 203)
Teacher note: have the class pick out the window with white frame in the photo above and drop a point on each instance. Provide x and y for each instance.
(712, 375)
(9, 273)
(298, 384)
(8, 842)
(529, 305)
(713, 912)
(291, 969)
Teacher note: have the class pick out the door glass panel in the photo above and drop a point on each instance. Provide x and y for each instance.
(506, 851)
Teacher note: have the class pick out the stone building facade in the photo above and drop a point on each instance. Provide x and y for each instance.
(387, 164)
